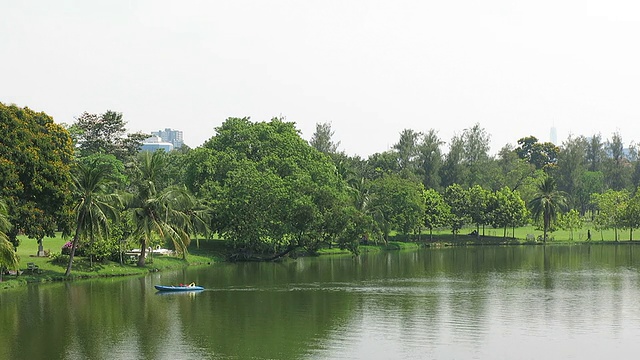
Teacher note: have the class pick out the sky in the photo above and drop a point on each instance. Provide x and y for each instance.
(370, 68)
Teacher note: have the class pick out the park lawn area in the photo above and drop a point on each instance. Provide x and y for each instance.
(558, 236)
(208, 252)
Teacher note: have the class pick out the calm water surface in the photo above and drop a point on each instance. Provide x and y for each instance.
(525, 302)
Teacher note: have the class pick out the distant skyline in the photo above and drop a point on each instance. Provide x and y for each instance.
(370, 68)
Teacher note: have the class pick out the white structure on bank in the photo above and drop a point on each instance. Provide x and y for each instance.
(155, 143)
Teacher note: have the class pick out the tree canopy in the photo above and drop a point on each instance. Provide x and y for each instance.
(270, 191)
(35, 167)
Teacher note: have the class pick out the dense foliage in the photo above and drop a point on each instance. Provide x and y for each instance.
(268, 192)
(35, 172)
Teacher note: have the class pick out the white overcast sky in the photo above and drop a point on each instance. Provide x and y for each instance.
(371, 68)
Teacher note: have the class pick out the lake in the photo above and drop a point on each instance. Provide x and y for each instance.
(480, 302)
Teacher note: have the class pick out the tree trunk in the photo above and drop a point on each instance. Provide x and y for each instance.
(277, 256)
(143, 254)
(76, 237)
(73, 252)
(547, 221)
(120, 248)
(91, 254)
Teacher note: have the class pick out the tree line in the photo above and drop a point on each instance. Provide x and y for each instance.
(267, 191)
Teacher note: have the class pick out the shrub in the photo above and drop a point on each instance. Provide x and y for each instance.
(66, 248)
(60, 259)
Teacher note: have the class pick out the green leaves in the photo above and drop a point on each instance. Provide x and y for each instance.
(35, 161)
(398, 204)
(547, 203)
(271, 191)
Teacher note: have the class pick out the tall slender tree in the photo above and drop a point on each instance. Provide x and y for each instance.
(595, 153)
(322, 139)
(407, 149)
(430, 159)
(617, 171)
(547, 203)
(94, 205)
(453, 171)
(571, 166)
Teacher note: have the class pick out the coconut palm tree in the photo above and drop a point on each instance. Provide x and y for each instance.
(547, 203)
(94, 206)
(8, 257)
(159, 214)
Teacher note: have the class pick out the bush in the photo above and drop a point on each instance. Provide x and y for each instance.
(66, 248)
(60, 259)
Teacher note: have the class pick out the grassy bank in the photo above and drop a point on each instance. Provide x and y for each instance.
(211, 251)
(208, 251)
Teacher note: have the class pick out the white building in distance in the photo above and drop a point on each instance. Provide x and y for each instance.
(171, 136)
(155, 143)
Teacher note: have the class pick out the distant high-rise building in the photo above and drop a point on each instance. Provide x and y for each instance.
(171, 136)
(553, 135)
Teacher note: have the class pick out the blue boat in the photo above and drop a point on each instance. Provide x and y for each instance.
(190, 287)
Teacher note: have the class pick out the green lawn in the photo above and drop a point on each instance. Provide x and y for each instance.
(558, 236)
(209, 251)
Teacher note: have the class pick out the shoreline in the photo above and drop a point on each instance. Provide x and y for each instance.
(200, 257)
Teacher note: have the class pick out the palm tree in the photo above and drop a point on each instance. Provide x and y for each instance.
(8, 257)
(94, 207)
(166, 214)
(547, 203)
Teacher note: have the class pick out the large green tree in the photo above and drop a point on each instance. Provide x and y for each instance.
(480, 207)
(436, 211)
(509, 209)
(611, 207)
(271, 191)
(35, 161)
(107, 134)
(399, 204)
(512, 171)
(458, 200)
(542, 155)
